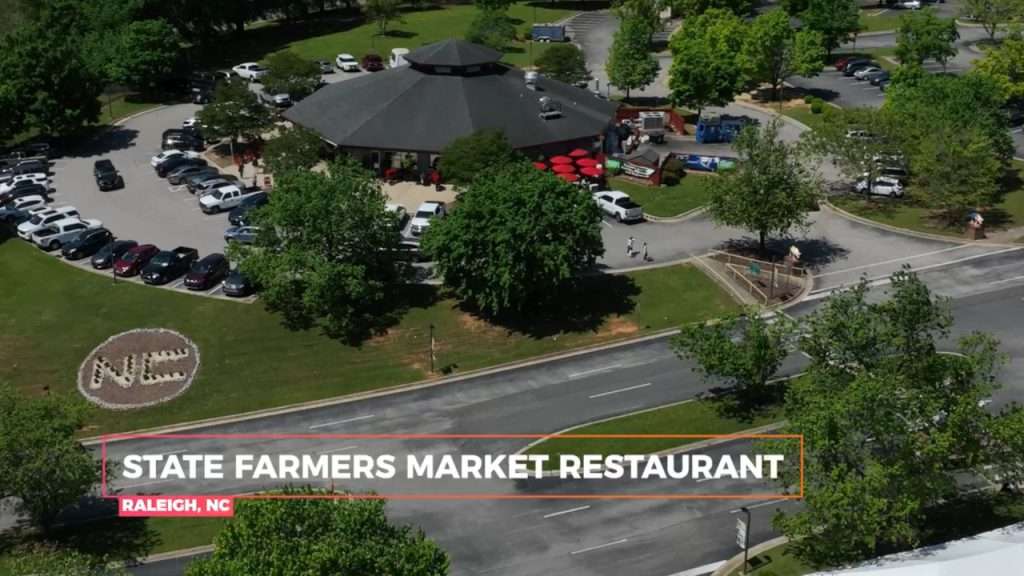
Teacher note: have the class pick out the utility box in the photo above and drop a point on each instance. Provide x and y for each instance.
(722, 128)
(548, 33)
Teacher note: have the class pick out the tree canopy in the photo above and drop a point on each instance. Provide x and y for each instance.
(318, 536)
(477, 153)
(295, 148)
(630, 65)
(691, 8)
(706, 66)
(491, 27)
(234, 113)
(837, 21)
(1004, 64)
(325, 252)
(289, 73)
(51, 561)
(383, 13)
(922, 35)
(518, 238)
(992, 14)
(773, 51)
(564, 62)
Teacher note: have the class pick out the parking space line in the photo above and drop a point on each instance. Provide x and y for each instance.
(569, 511)
(216, 289)
(179, 284)
(342, 449)
(599, 546)
(583, 373)
(325, 424)
(620, 390)
(758, 505)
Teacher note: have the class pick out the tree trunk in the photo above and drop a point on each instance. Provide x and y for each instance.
(762, 242)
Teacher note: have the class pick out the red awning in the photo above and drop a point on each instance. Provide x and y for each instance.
(560, 160)
(591, 171)
(563, 168)
(540, 166)
(568, 177)
(579, 153)
(586, 162)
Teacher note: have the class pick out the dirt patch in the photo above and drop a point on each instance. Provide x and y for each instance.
(619, 326)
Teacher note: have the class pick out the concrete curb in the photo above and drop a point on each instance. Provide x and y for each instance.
(798, 124)
(688, 215)
(653, 266)
(121, 121)
(734, 562)
(907, 232)
(173, 554)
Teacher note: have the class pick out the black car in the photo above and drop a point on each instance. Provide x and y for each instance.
(105, 256)
(87, 243)
(178, 175)
(25, 190)
(877, 76)
(855, 65)
(107, 177)
(237, 285)
(165, 168)
(237, 217)
(168, 265)
(207, 272)
(181, 139)
(47, 149)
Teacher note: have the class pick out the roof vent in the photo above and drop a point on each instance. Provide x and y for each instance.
(530, 78)
(549, 108)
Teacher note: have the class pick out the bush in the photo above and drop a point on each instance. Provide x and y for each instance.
(809, 99)
(817, 107)
(672, 171)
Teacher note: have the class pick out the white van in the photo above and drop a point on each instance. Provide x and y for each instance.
(397, 57)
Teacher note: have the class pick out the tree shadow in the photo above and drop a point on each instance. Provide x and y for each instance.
(971, 514)
(104, 141)
(513, 50)
(255, 43)
(814, 252)
(574, 5)
(398, 34)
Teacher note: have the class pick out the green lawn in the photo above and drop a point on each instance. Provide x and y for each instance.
(323, 39)
(667, 201)
(802, 113)
(874, 19)
(775, 562)
(1008, 213)
(122, 106)
(696, 417)
(54, 315)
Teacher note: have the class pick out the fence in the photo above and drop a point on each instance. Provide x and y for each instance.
(769, 282)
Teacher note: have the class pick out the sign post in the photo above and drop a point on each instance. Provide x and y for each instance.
(743, 536)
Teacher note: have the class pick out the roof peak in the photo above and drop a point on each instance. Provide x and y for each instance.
(453, 52)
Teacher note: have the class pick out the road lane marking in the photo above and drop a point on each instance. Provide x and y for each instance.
(140, 484)
(758, 505)
(892, 260)
(605, 222)
(182, 451)
(699, 480)
(216, 289)
(342, 449)
(325, 424)
(627, 389)
(700, 570)
(599, 546)
(179, 284)
(569, 511)
(575, 375)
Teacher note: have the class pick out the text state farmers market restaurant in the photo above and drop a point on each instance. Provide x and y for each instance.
(452, 89)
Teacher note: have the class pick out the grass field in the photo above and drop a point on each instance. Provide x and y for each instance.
(667, 201)
(122, 106)
(775, 562)
(323, 39)
(54, 315)
(875, 19)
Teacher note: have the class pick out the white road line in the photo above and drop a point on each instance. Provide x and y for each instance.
(627, 389)
(700, 570)
(575, 375)
(342, 449)
(569, 511)
(182, 451)
(140, 484)
(699, 480)
(605, 222)
(216, 289)
(892, 260)
(598, 547)
(179, 284)
(325, 424)
(758, 505)
(1007, 280)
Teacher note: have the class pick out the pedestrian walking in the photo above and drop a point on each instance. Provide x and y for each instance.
(629, 247)
(646, 258)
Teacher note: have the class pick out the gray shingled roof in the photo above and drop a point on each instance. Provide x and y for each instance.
(453, 53)
(405, 109)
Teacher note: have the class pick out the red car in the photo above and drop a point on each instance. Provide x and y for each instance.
(841, 63)
(372, 63)
(132, 261)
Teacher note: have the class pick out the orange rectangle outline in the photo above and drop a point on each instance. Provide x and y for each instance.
(463, 496)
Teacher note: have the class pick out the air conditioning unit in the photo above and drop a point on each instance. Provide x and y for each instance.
(550, 108)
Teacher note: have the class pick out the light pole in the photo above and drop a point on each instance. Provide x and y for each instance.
(746, 538)
(431, 348)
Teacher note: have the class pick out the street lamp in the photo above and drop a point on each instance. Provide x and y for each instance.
(746, 538)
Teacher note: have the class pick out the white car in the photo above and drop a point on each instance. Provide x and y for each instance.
(168, 154)
(251, 71)
(619, 205)
(224, 198)
(346, 63)
(911, 5)
(397, 57)
(34, 178)
(424, 214)
(863, 72)
(44, 219)
(192, 122)
(276, 100)
(882, 186)
(28, 203)
(61, 232)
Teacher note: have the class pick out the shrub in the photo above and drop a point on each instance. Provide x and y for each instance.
(817, 107)
(672, 171)
(809, 99)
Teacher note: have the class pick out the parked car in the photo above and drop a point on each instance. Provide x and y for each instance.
(238, 215)
(325, 67)
(132, 261)
(840, 62)
(619, 206)
(276, 100)
(911, 4)
(241, 234)
(31, 166)
(878, 77)
(18, 207)
(884, 85)
(424, 214)
(206, 273)
(401, 215)
(237, 285)
(168, 154)
(16, 217)
(852, 68)
(882, 186)
(178, 175)
(23, 191)
(251, 71)
(106, 256)
(23, 180)
(182, 139)
(167, 265)
(196, 180)
(397, 57)
(44, 219)
(62, 231)
(165, 168)
(107, 177)
(224, 198)
(862, 74)
(346, 63)
(848, 62)
(86, 244)
(209, 186)
(372, 62)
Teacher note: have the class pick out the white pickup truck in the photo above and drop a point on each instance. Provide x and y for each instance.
(224, 198)
(618, 205)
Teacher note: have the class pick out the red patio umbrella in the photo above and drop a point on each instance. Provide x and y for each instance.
(579, 153)
(540, 166)
(586, 162)
(563, 168)
(560, 160)
(591, 171)
(568, 177)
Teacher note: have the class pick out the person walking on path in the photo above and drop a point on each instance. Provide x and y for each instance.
(646, 257)
(629, 247)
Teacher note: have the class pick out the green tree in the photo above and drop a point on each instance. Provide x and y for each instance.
(49, 561)
(746, 363)
(691, 8)
(518, 238)
(887, 420)
(648, 11)
(992, 14)
(958, 170)
(856, 157)
(383, 12)
(492, 28)
(41, 462)
(294, 148)
(630, 65)
(318, 536)
(836, 20)
(564, 62)
(923, 35)
(146, 54)
(769, 191)
(1005, 66)
(289, 73)
(773, 51)
(324, 255)
(493, 4)
(234, 113)
(480, 152)
(706, 68)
